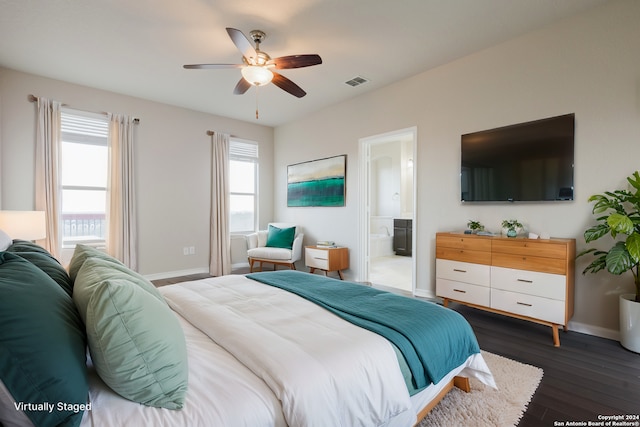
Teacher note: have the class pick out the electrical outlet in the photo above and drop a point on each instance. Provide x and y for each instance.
(192, 250)
(185, 251)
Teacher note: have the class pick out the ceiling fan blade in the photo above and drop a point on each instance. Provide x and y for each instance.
(241, 87)
(243, 44)
(211, 66)
(287, 85)
(296, 61)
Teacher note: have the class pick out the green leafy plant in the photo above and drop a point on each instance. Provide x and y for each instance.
(621, 220)
(511, 224)
(475, 225)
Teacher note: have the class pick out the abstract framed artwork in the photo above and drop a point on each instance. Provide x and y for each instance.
(317, 182)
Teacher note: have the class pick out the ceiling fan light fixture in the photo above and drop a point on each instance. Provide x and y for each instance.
(257, 75)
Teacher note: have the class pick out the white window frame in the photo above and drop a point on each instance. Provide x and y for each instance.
(84, 132)
(246, 151)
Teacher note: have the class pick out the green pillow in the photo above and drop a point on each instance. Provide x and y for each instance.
(136, 342)
(27, 246)
(51, 267)
(80, 255)
(42, 343)
(280, 237)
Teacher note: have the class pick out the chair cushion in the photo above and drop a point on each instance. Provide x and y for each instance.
(276, 254)
(280, 237)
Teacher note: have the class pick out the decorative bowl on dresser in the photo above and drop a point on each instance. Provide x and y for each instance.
(518, 277)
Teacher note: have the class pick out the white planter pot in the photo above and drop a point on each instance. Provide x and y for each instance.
(630, 322)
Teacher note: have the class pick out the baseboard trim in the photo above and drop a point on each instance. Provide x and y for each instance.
(424, 293)
(178, 273)
(597, 331)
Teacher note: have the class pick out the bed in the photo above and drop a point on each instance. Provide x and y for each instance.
(254, 350)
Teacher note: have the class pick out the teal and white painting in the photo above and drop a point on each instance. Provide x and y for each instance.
(317, 183)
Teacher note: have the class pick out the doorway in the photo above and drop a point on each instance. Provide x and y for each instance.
(387, 210)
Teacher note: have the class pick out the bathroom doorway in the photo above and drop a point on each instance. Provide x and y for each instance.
(387, 210)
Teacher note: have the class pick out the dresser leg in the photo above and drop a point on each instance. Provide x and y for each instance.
(340, 274)
(556, 338)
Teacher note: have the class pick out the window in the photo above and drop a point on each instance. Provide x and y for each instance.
(84, 169)
(243, 186)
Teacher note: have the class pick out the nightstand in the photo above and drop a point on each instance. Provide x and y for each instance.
(327, 259)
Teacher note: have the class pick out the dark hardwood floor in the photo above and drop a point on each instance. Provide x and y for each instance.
(585, 377)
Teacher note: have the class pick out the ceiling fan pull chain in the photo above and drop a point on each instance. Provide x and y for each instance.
(256, 102)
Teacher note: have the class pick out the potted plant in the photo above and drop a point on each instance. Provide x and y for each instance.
(512, 226)
(475, 226)
(620, 218)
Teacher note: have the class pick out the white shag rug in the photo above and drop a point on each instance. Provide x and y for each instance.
(484, 406)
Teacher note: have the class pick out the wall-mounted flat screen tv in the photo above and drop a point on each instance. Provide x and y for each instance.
(530, 161)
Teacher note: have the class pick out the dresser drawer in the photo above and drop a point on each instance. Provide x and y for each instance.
(317, 258)
(529, 282)
(530, 248)
(477, 274)
(473, 294)
(464, 255)
(546, 309)
(463, 242)
(531, 263)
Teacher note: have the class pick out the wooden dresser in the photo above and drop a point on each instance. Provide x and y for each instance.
(519, 277)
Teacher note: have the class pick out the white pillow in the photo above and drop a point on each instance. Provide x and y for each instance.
(9, 415)
(5, 241)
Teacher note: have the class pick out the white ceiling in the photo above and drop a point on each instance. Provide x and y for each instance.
(138, 47)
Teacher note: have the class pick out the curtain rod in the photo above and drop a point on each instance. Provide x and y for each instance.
(211, 133)
(33, 98)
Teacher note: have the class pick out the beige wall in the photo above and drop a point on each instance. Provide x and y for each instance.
(588, 65)
(173, 168)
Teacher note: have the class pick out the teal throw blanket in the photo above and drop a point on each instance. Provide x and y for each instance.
(432, 339)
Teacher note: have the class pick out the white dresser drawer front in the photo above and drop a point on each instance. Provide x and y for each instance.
(473, 294)
(477, 274)
(317, 258)
(528, 305)
(545, 285)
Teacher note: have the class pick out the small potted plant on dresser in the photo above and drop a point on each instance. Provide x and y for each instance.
(512, 226)
(475, 226)
(619, 216)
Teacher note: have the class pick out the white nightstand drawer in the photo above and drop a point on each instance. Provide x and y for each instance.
(317, 258)
(477, 274)
(547, 309)
(473, 294)
(317, 253)
(545, 285)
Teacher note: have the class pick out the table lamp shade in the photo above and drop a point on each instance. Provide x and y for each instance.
(25, 225)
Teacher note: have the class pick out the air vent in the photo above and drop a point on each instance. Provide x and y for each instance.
(357, 81)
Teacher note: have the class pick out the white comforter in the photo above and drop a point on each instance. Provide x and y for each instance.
(262, 357)
(291, 345)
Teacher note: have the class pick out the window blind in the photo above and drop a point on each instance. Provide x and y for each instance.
(84, 128)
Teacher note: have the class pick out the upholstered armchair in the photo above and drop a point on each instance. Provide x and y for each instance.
(281, 244)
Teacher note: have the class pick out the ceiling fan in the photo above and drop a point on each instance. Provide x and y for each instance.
(257, 66)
